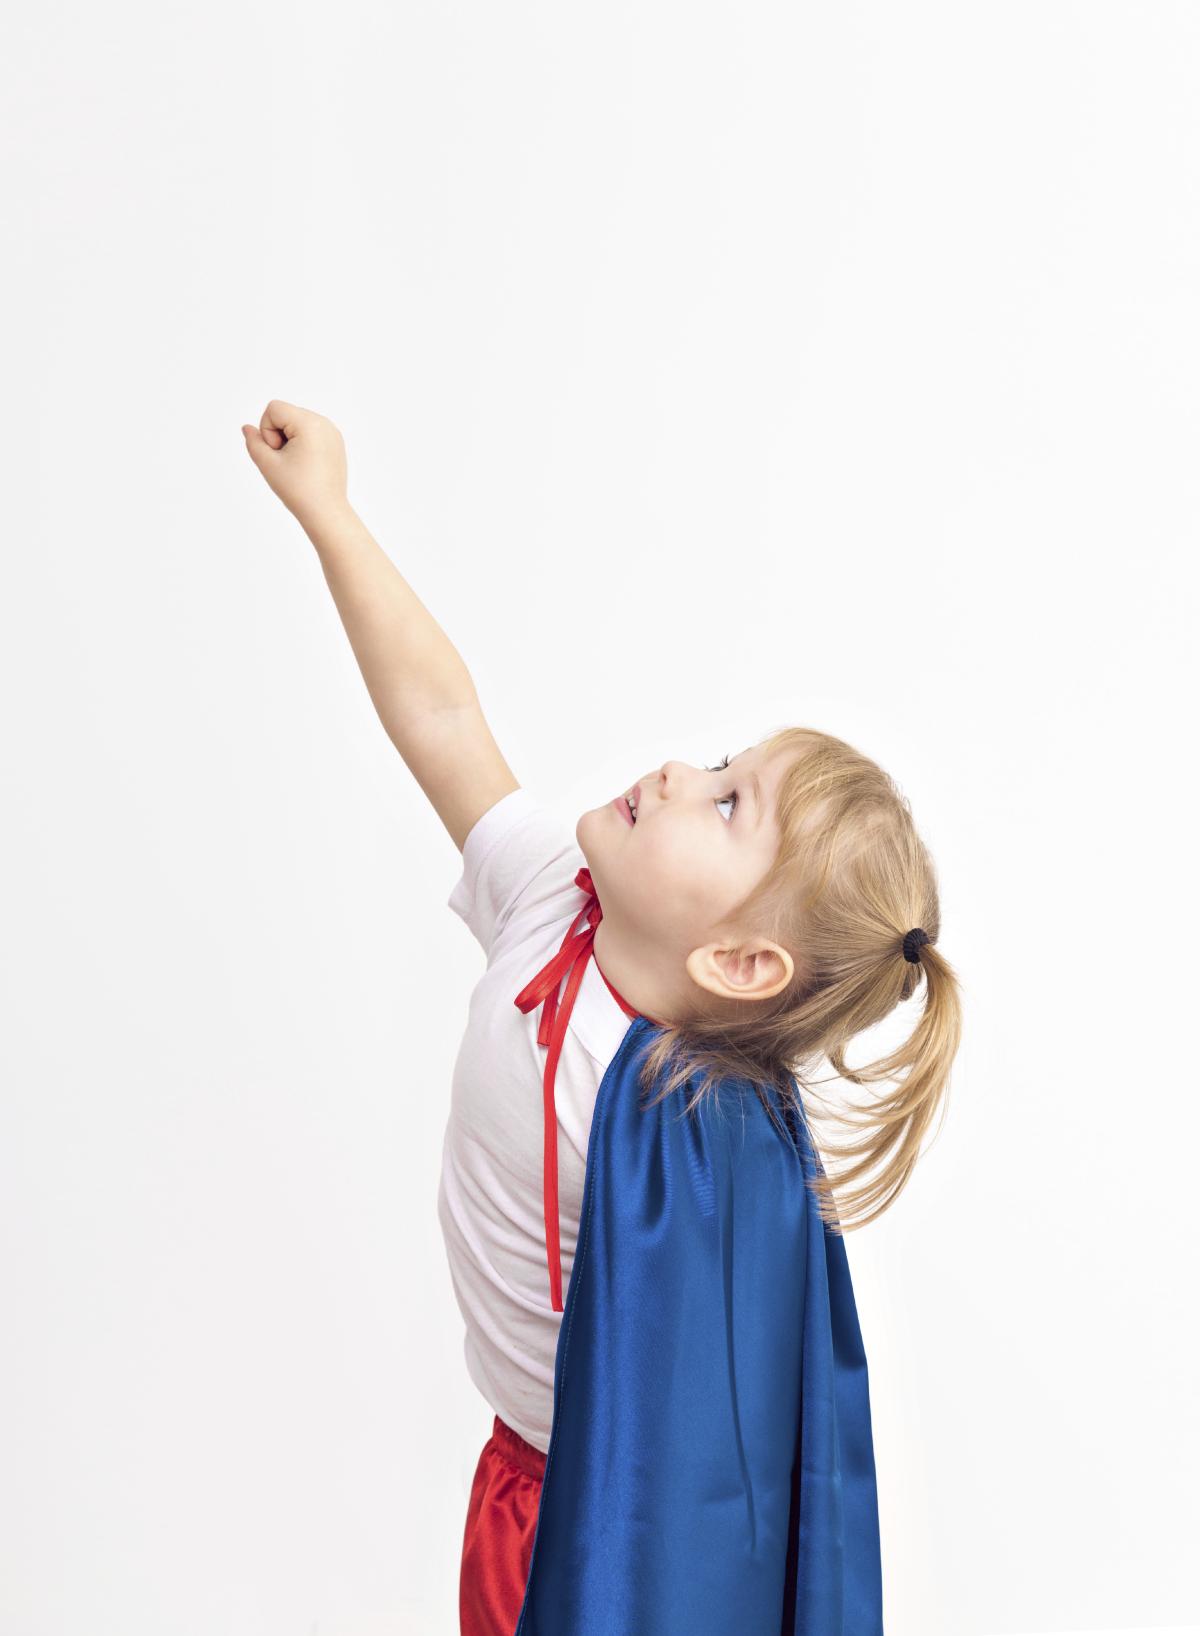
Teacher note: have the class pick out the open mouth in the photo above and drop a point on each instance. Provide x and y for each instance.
(627, 805)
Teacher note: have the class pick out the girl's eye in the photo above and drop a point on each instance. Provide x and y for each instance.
(724, 762)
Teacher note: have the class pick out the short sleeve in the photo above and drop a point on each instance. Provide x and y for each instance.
(517, 860)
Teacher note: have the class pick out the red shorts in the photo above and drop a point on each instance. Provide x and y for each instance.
(498, 1539)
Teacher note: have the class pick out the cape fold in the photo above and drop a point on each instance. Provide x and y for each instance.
(710, 1469)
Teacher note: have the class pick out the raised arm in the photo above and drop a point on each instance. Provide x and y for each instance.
(421, 689)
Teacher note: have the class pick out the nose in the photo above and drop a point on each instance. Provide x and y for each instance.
(672, 774)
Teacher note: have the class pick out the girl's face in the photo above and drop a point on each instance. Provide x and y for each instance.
(702, 840)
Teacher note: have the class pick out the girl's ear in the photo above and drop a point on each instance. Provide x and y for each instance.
(754, 970)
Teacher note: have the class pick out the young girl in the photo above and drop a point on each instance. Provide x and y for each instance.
(683, 1445)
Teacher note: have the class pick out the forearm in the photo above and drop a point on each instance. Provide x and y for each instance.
(409, 664)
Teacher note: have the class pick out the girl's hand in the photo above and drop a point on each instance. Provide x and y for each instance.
(303, 458)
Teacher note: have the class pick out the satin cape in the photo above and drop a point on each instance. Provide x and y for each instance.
(710, 1469)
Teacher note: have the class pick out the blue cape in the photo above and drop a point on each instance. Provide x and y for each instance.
(710, 1469)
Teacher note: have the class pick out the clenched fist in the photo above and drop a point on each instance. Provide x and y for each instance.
(303, 458)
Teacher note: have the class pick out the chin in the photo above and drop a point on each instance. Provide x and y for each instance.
(584, 830)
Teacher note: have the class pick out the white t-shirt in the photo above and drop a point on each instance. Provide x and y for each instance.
(517, 894)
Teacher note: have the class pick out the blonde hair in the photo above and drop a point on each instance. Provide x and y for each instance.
(850, 879)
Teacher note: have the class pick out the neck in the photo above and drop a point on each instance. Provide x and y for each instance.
(637, 979)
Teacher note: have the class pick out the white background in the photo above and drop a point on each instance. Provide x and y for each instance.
(704, 369)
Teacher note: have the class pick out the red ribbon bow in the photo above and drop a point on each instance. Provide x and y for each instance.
(571, 959)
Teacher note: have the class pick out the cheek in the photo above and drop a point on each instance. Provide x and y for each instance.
(673, 869)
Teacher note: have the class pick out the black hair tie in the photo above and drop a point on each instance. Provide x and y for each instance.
(912, 944)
